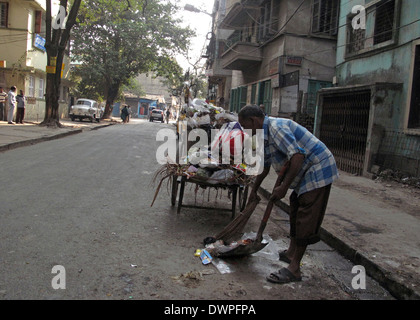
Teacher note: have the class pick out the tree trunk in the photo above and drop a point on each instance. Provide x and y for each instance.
(112, 93)
(52, 117)
(55, 44)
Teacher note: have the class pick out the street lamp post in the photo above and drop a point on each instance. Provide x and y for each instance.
(190, 7)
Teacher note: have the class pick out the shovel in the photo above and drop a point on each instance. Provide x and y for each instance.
(249, 246)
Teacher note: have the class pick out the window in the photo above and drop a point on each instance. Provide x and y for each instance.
(414, 115)
(268, 20)
(325, 17)
(31, 86)
(4, 9)
(381, 22)
(384, 22)
(38, 21)
(41, 89)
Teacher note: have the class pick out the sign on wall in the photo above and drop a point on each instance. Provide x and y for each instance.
(294, 61)
(39, 42)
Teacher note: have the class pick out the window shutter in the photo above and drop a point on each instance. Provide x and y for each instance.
(4, 13)
(316, 14)
(38, 21)
(334, 17)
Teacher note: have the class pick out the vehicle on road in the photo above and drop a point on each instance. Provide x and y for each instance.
(85, 109)
(156, 114)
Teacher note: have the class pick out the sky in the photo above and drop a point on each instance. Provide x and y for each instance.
(201, 23)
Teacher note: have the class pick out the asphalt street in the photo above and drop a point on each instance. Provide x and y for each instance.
(83, 203)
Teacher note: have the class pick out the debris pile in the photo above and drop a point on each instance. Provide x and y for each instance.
(398, 176)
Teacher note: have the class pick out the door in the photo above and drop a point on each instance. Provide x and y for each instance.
(344, 128)
(313, 87)
(265, 95)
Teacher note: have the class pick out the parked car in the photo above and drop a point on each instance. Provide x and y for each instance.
(156, 114)
(85, 109)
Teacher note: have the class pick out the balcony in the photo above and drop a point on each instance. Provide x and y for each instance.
(241, 53)
(240, 13)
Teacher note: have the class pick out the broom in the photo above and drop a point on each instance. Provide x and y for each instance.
(235, 228)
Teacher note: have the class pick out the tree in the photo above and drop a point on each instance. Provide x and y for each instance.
(57, 37)
(117, 40)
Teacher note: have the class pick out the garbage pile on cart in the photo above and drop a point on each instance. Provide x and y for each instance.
(211, 165)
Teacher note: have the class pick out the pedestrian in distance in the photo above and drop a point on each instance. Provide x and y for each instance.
(312, 169)
(124, 114)
(129, 113)
(168, 114)
(21, 104)
(11, 99)
(3, 98)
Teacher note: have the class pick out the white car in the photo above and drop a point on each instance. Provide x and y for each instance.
(85, 109)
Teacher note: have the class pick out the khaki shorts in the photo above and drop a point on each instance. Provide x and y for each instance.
(306, 214)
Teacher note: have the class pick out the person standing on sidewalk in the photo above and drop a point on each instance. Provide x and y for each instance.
(11, 98)
(311, 171)
(21, 104)
(3, 97)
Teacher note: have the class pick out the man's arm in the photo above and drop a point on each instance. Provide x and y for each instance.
(295, 165)
(258, 180)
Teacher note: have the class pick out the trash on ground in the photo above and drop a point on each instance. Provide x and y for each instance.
(205, 257)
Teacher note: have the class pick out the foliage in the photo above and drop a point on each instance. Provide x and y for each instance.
(117, 40)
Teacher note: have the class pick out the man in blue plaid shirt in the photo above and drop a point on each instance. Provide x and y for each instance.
(311, 169)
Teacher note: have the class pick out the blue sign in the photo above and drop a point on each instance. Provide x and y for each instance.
(39, 42)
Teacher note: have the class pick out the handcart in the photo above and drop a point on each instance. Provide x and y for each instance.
(239, 193)
(238, 188)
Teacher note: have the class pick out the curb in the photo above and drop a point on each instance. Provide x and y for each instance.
(30, 142)
(384, 278)
(24, 143)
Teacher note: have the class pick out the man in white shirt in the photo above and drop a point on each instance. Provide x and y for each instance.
(3, 96)
(11, 99)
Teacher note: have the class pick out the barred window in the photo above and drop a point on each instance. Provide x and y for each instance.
(325, 17)
(384, 22)
(4, 8)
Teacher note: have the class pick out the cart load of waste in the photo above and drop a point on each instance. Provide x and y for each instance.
(211, 165)
(200, 114)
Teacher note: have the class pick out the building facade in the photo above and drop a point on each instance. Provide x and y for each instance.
(278, 53)
(371, 118)
(23, 56)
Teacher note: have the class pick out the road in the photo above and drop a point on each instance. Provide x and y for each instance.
(83, 203)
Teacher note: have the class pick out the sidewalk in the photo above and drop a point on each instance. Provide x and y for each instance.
(374, 224)
(19, 135)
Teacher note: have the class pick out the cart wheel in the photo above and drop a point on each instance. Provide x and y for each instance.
(243, 197)
(174, 189)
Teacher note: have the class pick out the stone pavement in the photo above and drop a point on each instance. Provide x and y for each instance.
(372, 223)
(375, 224)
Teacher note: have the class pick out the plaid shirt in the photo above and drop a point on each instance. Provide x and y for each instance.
(283, 138)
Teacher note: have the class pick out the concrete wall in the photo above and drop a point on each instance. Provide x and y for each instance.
(295, 39)
(381, 64)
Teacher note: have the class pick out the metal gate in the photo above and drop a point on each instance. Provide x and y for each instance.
(344, 128)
